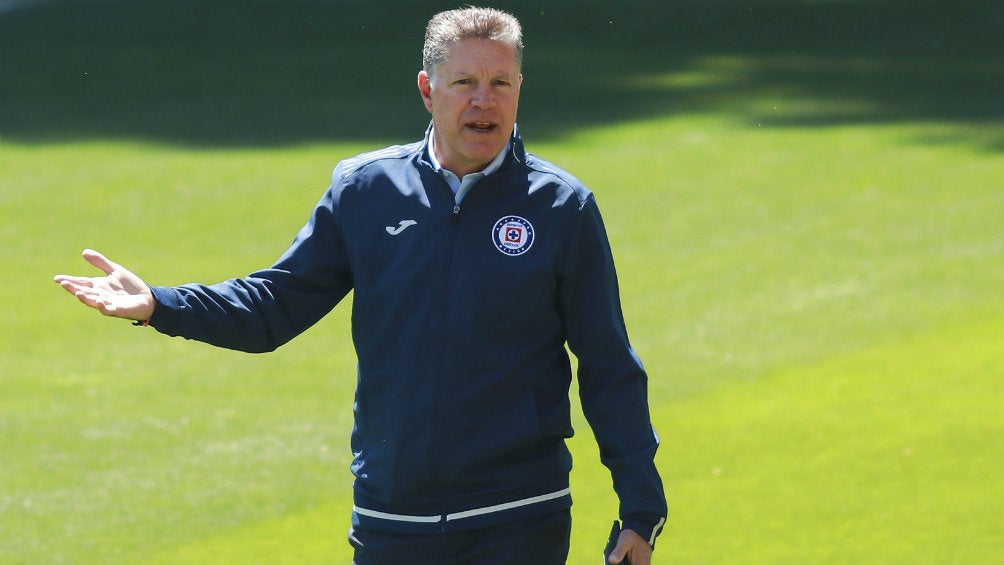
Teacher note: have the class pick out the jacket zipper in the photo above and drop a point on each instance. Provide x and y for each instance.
(437, 425)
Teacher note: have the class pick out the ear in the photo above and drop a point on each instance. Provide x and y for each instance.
(425, 89)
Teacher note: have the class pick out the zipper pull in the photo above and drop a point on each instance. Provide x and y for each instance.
(456, 212)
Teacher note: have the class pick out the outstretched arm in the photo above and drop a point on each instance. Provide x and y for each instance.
(119, 293)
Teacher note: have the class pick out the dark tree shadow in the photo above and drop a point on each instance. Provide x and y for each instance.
(269, 72)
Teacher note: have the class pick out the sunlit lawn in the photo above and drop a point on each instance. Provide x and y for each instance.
(819, 306)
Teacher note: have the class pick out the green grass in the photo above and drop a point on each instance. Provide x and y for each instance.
(807, 231)
(886, 455)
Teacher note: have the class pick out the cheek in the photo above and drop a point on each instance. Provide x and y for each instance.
(444, 105)
(511, 112)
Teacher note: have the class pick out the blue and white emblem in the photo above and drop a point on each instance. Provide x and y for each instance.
(512, 235)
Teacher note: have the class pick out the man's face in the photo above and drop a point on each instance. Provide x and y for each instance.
(473, 96)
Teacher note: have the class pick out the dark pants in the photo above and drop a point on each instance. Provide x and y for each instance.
(541, 540)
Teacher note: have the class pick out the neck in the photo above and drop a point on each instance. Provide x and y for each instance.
(458, 171)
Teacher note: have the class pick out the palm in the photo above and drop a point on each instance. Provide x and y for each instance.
(119, 293)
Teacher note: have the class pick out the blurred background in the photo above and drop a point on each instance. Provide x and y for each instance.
(258, 73)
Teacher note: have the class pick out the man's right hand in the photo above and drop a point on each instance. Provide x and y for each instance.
(119, 293)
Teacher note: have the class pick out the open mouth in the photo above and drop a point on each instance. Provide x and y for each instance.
(482, 127)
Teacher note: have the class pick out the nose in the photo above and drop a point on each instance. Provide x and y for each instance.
(483, 97)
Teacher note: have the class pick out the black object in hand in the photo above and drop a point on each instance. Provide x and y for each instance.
(615, 533)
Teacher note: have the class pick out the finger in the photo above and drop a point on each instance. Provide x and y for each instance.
(98, 301)
(100, 261)
(84, 292)
(631, 546)
(621, 549)
(64, 280)
(89, 298)
(75, 289)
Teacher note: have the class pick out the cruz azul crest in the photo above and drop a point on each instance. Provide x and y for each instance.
(512, 235)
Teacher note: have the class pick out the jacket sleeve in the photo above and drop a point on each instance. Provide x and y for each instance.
(612, 380)
(267, 308)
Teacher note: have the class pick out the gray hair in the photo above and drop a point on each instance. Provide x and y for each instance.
(447, 28)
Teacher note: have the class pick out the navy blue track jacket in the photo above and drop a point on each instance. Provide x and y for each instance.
(460, 318)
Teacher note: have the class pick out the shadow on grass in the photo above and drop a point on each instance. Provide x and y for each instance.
(272, 72)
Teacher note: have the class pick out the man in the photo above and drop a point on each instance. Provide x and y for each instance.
(473, 263)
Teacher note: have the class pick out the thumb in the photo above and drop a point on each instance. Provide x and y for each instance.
(100, 261)
(617, 555)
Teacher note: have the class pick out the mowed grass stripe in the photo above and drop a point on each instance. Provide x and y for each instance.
(314, 535)
(888, 455)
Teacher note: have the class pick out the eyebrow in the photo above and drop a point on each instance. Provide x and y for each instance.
(497, 75)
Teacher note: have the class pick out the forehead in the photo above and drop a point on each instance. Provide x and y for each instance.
(480, 55)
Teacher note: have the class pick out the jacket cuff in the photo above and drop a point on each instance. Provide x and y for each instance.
(646, 526)
(165, 312)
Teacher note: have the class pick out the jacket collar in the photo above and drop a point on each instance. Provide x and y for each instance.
(516, 151)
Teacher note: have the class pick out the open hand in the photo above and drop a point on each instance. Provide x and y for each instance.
(119, 293)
